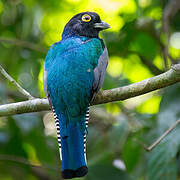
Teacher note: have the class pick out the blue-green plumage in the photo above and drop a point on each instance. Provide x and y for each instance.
(74, 71)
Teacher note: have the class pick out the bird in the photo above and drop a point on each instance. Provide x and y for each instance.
(73, 73)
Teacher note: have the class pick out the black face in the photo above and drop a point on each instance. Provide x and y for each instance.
(84, 24)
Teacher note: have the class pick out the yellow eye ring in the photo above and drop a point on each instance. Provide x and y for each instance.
(86, 18)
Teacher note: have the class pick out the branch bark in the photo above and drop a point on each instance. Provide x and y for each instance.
(24, 44)
(172, 7)
(163, 80)
(20, 89)
(155, 70)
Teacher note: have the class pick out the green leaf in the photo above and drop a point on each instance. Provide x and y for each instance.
(144, 45)
(131, 154)
(162, 163)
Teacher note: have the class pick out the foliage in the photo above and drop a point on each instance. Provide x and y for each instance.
(136, 44)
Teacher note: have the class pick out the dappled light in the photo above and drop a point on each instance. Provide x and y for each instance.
(143, 42)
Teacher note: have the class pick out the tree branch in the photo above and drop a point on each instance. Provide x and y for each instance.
(16, 159)
(155, 70)
(20, 89)
(37, 170)
(163, 80)
(170, 10)
(148, 63)
(24, 44)
(162, 136)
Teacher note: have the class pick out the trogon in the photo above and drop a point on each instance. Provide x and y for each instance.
(74, 71)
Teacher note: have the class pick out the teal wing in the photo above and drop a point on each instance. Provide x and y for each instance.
(99, 71)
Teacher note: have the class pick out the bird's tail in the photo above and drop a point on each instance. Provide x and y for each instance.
(72, 147)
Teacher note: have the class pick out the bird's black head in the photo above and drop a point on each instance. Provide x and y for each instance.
(84, 24)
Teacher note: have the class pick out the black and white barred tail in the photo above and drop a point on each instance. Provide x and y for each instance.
(58, 131)
(86, 122)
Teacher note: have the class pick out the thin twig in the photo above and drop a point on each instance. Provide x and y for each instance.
(24, 44)
(155, 70)
(6, 157)
(148, 63)
(21, 90)
(162, 136)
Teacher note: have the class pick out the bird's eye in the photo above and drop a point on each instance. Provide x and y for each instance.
(86, 18)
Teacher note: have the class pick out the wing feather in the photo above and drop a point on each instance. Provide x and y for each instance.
(99, 72)
(45, 80)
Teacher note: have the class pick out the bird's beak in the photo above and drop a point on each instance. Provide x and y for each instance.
(102, 25)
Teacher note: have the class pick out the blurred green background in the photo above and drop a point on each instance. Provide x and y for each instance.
(136, 44)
